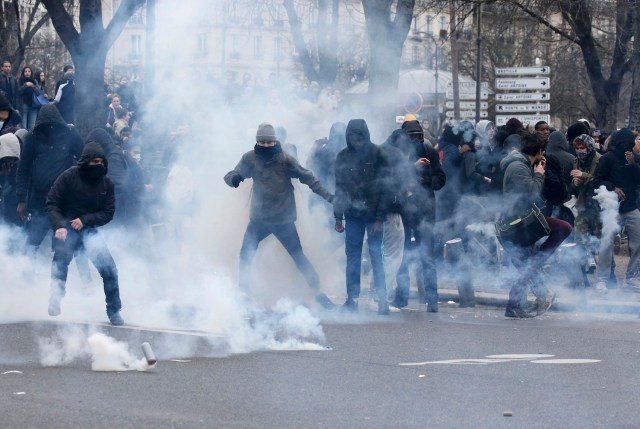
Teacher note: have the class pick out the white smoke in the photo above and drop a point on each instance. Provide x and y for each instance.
(609, 212)
(108, 354)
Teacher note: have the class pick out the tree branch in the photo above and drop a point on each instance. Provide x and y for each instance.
(63, 23)
(544, 22)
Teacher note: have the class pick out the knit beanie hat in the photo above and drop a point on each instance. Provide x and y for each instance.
(577, 129)
(266, 132)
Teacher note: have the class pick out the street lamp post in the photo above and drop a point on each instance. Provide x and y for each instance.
(478, 59)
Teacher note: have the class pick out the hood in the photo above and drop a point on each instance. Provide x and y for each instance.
(576, 129)
(513, 157)
(21, 134)
(49, 115)
(102, 137)
(9, 146)
(557, 141)
(449, 137)
(622, 141)
(91, 150)
(357, 126)
(483, 126)
(588, 141)
(5, 105)
(337, 133)
(412, 127)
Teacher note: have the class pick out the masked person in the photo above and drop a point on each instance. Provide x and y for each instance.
(81, 200)
(273, 206)
(619, 172)
(361, 201)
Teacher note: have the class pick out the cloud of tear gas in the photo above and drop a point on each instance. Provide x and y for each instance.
(108, 354)
(609, 212)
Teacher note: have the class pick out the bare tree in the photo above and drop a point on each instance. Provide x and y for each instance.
(319, 58)
(387, 30)
(88, 48)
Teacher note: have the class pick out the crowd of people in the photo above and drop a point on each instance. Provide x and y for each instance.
(416, 193)
(408, 201)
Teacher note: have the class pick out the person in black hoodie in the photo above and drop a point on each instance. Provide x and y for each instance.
(50, 149)
(361, 200)
(9, 117)
(618, 171)
(426, 176)
(81, 200)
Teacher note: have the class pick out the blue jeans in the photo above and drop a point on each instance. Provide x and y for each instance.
(354, 238)
(98, 252)
(287, 234)
(29, 115)
(425, 244)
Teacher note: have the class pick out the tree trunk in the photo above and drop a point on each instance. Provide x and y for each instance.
(634, 103)
(386, 38)
(89, 90)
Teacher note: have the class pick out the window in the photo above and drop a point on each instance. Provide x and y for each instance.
(279, 20)
(443, 23)
(202, 44)
(234, 54)
(429, 24)
(136, 46)
(415, 56)
(257, 47)
(136, 19)
(233, 12)
(415, 23)
(277, 48)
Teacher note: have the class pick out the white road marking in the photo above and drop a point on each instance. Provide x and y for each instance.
(566, 361)
(520, 356)
(11, 372)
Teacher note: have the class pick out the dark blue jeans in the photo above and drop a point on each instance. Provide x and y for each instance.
(287, 234)
(97, 251)
(354, 238)
(425, 243)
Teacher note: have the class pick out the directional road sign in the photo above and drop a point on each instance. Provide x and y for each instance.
(509, 71)
(467, 105)
(525, 119)
(468, 95)
(467, 114)
(523, 83)
(524, 96)
(532, 107)
(469, 85)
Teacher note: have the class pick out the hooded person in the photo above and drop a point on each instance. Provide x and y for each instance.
(425, 176)
(273, 206)
(9, 117)
(50, 149)
(9, 157)
(560, 162)
(619, 172)
(490, 153)
(65, 98)
(81, 200)
(322, 157)
(361, 201)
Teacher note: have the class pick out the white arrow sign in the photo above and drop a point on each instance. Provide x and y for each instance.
(522, 107)
(467, 114)
(524, 96)
(523, 83)
(507, 71)
(468, 95)
(467, 105)
(525, 119)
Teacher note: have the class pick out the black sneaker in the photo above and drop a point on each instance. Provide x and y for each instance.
(399, 302)
(432, 307)
(517, 313)
(116, 319)
(351, 304)
(324, 301)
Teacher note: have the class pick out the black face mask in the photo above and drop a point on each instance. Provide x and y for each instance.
(267, 152)
(94, 173)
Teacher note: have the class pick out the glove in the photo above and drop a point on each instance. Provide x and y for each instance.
(236, 179)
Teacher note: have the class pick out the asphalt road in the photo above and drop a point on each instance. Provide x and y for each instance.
(380, 372)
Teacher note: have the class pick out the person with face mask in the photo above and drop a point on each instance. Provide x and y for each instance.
(361, 200)
(618, 171)
(273, 206)
(81, 200)
(587, 211)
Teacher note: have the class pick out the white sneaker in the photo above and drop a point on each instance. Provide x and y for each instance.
(632, 284)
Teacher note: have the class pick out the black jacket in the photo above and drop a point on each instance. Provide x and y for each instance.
(27, 92)
(74, 196)
(614, 172)
(359, 192)
(10, 88)
(50, 149)
(421, 205)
